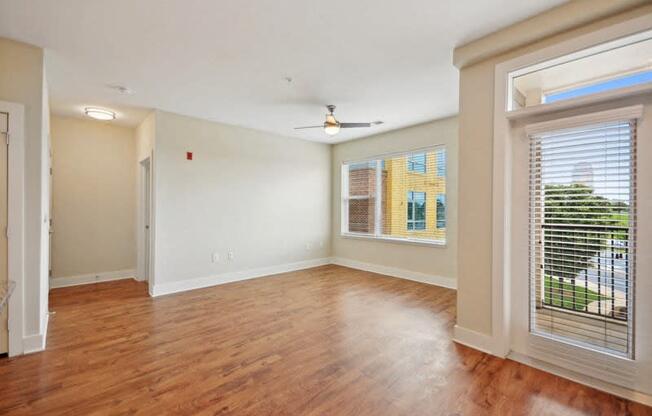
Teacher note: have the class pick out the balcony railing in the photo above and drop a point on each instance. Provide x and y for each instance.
(586, 269)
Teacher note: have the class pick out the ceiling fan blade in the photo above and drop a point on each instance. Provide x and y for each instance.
(356, 125)
(309, 127)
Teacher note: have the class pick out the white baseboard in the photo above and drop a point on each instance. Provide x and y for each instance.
(610, 388)
(37, 342)
(476, 340)
(84, 279)
(201, 282)
(431, 279)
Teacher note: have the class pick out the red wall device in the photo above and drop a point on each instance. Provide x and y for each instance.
(189, 155)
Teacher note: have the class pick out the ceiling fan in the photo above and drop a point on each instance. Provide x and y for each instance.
(331, 126)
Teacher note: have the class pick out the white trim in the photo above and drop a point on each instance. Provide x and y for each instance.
(501, 213)
(473, 339)
(16, 222)
(37, 342)
(617, 114)
(594, 47)
(597, 98)
(413, 241)
(202, 282)
(399, 153)
(619, 391)
(84, 279)
(447, 282)
(228, 277)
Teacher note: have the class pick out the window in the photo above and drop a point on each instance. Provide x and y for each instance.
(638, 78)
(416, 211)
(615, 65)
(383, 198)
(582, 228)
(441, 211)
(417, 162)
(362, 182)
(441, 162)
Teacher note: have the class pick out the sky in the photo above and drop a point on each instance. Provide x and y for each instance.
(627, 81)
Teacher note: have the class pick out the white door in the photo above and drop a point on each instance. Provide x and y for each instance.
(566, 308)
(4, 127)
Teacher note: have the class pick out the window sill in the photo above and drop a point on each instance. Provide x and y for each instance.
(411, 241)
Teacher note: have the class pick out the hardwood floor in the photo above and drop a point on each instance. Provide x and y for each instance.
(325, 341)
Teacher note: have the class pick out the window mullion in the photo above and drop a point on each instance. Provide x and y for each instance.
(378, 208)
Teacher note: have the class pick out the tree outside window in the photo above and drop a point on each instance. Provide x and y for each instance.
(441, 211)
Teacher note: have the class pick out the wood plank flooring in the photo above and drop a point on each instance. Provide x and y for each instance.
(324, 341)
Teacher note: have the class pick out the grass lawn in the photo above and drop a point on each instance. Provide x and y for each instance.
(582, 296)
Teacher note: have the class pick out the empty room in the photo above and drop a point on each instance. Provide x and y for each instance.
(337, 208)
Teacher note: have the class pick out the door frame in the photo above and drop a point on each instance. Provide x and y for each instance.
(144, 261)
(499, 341)
(16, 221)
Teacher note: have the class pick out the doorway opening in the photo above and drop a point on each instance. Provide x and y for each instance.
(145, 215)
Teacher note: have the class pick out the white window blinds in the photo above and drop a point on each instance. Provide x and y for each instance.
(582, 235)
(401, 196)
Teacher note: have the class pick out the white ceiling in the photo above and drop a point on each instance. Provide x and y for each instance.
(227, 60)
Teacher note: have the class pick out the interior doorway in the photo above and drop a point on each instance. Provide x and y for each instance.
(145, 215)
(4, 272)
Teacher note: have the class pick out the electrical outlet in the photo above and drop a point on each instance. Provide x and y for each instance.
(231, 256)
(308, 246)
(216, 257)
(321, 244)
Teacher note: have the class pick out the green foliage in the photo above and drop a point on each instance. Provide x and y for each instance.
(558, 293)
(569, 248)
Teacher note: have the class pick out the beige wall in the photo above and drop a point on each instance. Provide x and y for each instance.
(145, 135)
(22, 81)
(474, 308)
(437, 261)
(262, 196)
(94, 197)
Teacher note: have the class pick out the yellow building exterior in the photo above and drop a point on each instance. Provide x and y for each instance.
(400, 180)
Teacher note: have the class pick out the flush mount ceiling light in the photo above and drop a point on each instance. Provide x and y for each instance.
(99, 114)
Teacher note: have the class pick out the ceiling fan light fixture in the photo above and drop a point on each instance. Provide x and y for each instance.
(331, 129)
(331, 126)
(99, 114)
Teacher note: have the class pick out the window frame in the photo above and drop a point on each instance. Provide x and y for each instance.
(437, 211)
(414, 221)
(443, 170)
(619, 114)
(502, 318)
(411, 163)
(344, 208)
(520, 67)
